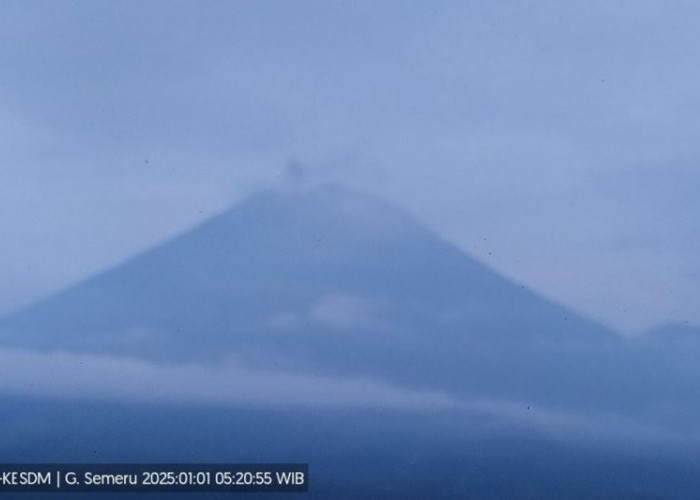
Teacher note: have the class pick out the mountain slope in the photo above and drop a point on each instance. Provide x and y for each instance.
(277, 254)
(325, 281)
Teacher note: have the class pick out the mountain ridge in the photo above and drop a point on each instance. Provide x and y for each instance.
(328, 233)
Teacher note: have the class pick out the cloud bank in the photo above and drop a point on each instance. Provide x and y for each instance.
(83, 376)
(70, 376)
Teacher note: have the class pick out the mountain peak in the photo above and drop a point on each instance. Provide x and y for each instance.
(327, 204)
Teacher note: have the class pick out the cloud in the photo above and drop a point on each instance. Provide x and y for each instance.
(346, 312)
(337, 312)
(64, 375)
(83, 376)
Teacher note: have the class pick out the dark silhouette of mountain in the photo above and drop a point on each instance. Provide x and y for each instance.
(282, 252)
(664, 364)
(327, 281)
(675, 333)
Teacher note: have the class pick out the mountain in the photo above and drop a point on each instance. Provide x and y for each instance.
(335, 286)
(675, 333)
(329, 281)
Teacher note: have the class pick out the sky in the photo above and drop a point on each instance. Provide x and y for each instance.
(554, 141)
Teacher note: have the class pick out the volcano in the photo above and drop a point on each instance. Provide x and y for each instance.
(325, 280)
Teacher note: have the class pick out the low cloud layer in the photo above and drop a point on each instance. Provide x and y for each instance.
(63, 375)
(76, 376)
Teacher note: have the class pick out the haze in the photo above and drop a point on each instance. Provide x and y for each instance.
(553, 141)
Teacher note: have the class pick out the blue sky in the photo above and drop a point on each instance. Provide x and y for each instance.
(556, 141)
